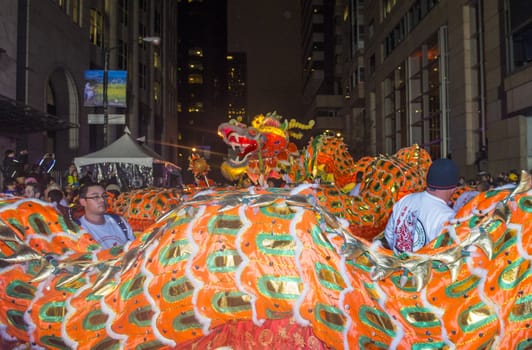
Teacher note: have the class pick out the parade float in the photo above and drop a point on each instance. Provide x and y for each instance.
(297, 267)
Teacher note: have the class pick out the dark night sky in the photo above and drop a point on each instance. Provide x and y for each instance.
(268, 31)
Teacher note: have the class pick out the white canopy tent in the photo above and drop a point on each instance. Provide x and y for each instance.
(123, 150)
(129, 161)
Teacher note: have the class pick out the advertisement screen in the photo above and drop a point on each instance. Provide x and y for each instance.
(116, 88)
(93, 89)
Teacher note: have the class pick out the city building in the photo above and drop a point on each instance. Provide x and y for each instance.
(237, 87)
(43, 53)
(357, 127)
(202, 81)
(139, 37)
(45, 49)
(452, 76)
(323, 92)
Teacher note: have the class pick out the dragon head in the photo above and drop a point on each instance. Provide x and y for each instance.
(261, 147)
(245, 141)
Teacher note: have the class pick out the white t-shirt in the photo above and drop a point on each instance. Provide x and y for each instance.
(109, 234)
(416, 220)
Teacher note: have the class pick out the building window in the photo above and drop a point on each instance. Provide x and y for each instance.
(395, 119)
(122, 55)
(415, 14)
(122, 6)
(143, 5)
(156, 60)
(196, 51)
(196, 107)
(142, 76)
(142, 34)
(198, 66)
(372, 64)
(361, 74)
(195, 79)
(371, 29)
(157, 23)
(387, 7)
(156, 90)
(63, 5)
(96, 28)
(426, 85)
(519, 27)
(76, 16)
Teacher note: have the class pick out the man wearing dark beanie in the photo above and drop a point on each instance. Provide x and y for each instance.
(418, 218)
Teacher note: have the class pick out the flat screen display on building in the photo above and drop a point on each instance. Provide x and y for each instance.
(116, 88)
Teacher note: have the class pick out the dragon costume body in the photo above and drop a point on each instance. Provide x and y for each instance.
(260, 268)
(273, 268)
(326, 159)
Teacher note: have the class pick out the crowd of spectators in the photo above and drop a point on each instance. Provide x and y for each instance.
(19, 178)
(485, 181)
(79, 198)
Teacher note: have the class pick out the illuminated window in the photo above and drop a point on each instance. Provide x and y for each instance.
(195, 79)
(75, 12)
(156, 90)
(156, 61)
(96, 28)
(196, 66)
(196, 51)
(196, 107)
(388, 6)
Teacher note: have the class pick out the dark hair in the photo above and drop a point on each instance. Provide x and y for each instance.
(9, 181)
(37, 187)
(500, 181)
(55, 195)
(483, 186)
(85, 188)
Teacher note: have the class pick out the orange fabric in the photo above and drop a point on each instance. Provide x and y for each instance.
(245, 268)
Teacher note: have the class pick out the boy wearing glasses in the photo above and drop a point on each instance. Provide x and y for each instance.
(109, 230)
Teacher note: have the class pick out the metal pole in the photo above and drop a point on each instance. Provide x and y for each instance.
(105, 100)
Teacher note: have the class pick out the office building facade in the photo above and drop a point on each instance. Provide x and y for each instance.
(452, 76)
(125, 28)
(323, 92)
(48, 45)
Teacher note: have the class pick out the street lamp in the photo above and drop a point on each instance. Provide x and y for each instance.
(155, 40)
